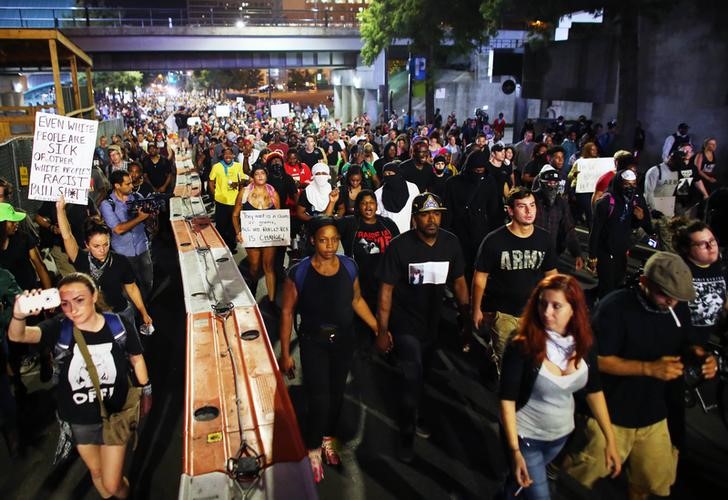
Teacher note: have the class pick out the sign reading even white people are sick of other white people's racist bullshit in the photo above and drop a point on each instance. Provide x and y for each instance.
(63, 151)
(265, 228)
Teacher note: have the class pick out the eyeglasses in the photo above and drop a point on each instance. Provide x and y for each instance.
(705, 244)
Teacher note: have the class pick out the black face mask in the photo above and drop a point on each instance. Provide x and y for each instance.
(549, 193)
(276, 169)
(629, 192)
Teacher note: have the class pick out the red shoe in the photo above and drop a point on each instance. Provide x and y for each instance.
(329, 447)
(314, 456)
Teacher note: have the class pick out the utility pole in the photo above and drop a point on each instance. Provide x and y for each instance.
(409, 90)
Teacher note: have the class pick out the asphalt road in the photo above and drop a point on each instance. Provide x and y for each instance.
(462, 459)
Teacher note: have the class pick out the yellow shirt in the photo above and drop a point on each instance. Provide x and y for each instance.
(226, 189)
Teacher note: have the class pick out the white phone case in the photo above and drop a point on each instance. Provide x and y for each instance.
(47, 299)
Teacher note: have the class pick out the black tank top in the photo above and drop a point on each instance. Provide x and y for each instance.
(326, 301)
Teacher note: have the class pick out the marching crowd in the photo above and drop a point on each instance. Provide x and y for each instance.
(426, 216)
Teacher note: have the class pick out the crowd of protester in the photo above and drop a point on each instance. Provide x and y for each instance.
(427, 216)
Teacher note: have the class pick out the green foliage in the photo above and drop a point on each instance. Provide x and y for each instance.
(122, 80)
(226, 79)
(297, 79)
(433, 26)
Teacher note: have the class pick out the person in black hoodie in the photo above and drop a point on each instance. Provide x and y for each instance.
(442, 174)
(389, 154)
(617, 212)
(474, 206)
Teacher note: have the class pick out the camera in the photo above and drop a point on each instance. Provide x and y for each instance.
(153, 203)
(693, 369)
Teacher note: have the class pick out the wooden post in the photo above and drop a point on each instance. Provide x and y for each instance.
(60, 108)
(90, 90)
(74, 79)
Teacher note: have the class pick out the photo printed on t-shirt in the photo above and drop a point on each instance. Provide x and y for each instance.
(428, 273)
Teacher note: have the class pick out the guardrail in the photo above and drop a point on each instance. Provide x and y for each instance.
(337, 15)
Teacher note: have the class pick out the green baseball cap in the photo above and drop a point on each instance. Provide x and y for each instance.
(8, 213)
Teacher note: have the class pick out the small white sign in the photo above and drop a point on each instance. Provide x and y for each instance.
(280, 110)
(590, 170)
(265, 228)
(222, 110)
(193, 120)
(440, 93)
(63, 151)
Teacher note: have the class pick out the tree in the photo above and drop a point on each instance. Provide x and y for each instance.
(297, 79)
(434, 30)
(438, 29)
(113, 80)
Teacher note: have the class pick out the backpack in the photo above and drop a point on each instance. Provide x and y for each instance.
(301, 270)
(611, 202)
(62, 348)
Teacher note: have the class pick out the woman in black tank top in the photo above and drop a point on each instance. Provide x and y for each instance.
(707, 166)
(324, 290)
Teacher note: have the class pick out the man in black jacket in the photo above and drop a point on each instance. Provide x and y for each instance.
(619, 211)
(474, 206)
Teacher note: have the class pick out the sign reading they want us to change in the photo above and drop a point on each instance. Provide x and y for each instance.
(63, 151)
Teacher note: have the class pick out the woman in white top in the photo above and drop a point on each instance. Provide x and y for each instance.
(394, 198)
(549, 359)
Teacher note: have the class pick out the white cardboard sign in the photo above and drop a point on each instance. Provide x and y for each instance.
(280, 110)
(590, 170)
(63, 151)
(222, 111)
(265, 228)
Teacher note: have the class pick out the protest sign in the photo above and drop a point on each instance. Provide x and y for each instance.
(590, 170)
(193, 120)
(280, 110)
(63, 151)
(265, 228)
(222, 111)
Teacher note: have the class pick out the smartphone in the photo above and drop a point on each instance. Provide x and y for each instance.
(46, 299)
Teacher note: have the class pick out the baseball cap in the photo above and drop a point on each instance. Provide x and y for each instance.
(671, 274)
(8, 213)
(114, 147)
(497, 147)
(427, 202)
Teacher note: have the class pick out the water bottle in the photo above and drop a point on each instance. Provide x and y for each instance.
(146, 329)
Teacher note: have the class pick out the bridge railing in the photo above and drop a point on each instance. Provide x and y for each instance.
(337, 15)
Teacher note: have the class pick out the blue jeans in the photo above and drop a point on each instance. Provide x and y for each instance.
(143, 272)
(537, 455)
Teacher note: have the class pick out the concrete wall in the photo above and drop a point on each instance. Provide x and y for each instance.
(683, 75)
(357, 90)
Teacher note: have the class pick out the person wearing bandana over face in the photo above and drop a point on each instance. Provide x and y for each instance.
(285, 186)
(395, 197)
(554, 215)
(226, 178)
(620, 210)
(319, 198)
(474, 205)
(111, 271)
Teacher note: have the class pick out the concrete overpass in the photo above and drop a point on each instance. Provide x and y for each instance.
(205, 47)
